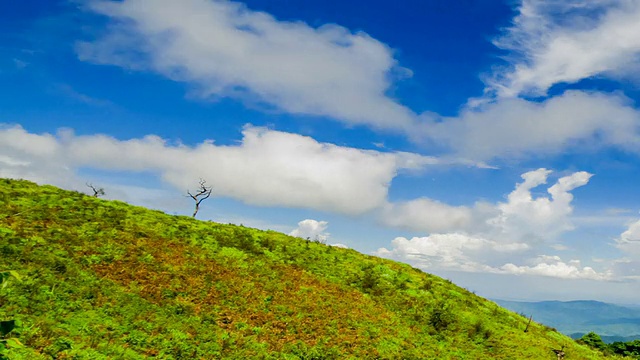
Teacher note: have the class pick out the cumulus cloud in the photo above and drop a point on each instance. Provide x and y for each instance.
(450, 251)
(553, 266)
(268, 168)
(630, 239)
(224, 49)
(463, 252)
(565, 41)
(487, 237)
(521, 216)
(631, 235)
(312, 229)
(629, 243)
(516, 128)
(30, 156)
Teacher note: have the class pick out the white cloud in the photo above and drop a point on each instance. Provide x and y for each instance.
(521, 217)
(631, 236)
(269, 168)
(488, 238)
(224, 49)
(515, 128)
(565, 41)
(628, 266)
(553, 266)
(312, 229)
(30, 156)
(461, 252)
(457, 251)
(552, 42)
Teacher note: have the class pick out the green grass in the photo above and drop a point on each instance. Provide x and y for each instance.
(106, 280)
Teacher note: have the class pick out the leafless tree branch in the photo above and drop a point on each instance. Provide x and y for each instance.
(97, 192)
(202, 194)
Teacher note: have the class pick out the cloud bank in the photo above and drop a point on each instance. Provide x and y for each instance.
(521, 216)
(224, 49)
(629, 243)
(518, 128)
(269, 168)
(565, 41)
(488, 237)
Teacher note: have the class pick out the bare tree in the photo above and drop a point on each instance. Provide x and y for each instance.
(202, 194)
(529, 323)
(97, 192)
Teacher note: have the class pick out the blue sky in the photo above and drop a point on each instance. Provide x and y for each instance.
(495, 143)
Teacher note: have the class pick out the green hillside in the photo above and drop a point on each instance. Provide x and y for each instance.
(106, 280)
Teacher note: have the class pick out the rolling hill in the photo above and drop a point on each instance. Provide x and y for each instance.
(107, 280)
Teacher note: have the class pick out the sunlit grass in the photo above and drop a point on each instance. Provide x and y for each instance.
(106, 280)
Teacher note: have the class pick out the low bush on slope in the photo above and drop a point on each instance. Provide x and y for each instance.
(106, 280)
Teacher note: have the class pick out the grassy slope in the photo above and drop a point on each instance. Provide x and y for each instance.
(103, 279)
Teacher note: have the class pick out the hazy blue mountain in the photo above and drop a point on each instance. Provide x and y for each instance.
(575, 318)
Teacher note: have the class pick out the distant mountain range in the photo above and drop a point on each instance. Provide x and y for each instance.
(576, 318)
